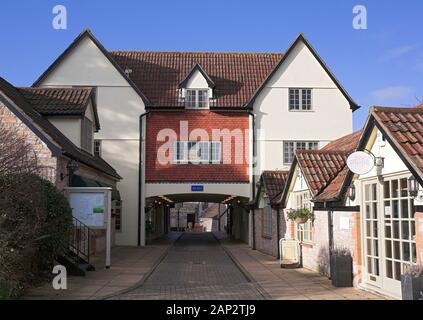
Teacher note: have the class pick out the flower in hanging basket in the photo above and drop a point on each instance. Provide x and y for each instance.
(300, 216)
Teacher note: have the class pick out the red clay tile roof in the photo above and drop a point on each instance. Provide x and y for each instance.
(346, 143)
(211, 212)
(58, 101)
(320, 167)
(405, 128)
(236, 76)
(333, 189)
(273, 182)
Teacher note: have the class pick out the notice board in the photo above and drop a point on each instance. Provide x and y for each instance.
(89, 208)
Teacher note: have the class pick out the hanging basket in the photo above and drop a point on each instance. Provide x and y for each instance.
(301, 220)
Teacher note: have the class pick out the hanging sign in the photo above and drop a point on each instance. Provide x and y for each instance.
(360, 162)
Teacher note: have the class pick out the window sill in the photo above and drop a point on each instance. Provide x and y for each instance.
(307, 244)
(266, 237)
(302, 111)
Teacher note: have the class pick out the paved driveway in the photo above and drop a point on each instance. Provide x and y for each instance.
(196, 267)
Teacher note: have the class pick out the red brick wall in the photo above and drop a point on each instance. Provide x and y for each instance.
(269, 245)
(207, 120)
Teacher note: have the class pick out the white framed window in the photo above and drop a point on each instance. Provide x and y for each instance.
(180, 152)
(289, 148)
(267, 221)
(216, 151)
(303, 232)
(197, 98)
(87, 133)
(198, 151)
(97, 148)
(300, 99)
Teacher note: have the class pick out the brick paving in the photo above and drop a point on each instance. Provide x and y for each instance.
(290, 284)
(196, 267)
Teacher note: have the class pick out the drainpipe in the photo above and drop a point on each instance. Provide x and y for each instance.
(330, 236)
(278, 232)
(254, 181)
(140, 179)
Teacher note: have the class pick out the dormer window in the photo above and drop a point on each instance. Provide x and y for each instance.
(196, 89)
(197, 99)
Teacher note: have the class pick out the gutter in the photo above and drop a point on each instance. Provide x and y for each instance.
(140, 177)
(253, 182)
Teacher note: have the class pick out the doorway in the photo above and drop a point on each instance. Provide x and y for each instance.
(389, 232)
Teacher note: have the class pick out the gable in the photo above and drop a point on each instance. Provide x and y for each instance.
(86, 65)
(301, 66)
(301, 69)
(298, 184)
(197, 81)
(380, 148)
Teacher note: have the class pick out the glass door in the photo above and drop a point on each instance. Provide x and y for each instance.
(399, 247)
(371, 233)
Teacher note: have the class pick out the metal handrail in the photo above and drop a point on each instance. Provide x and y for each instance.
(79, 243)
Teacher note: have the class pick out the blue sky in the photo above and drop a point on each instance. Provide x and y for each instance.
(382, 65)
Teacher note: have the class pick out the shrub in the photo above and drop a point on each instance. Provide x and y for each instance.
(35, 223)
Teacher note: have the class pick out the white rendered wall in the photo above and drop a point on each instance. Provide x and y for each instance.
(119, 108)
(71, 128)
(330, 118)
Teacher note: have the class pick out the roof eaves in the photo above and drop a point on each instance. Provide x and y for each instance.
(284, 194)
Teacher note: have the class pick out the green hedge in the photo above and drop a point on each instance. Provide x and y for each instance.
(35, 224)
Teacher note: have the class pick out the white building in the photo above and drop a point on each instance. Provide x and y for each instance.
(280, 101)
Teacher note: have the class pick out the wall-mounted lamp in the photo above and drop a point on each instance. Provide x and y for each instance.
(380, 163)
(71, 167)
(413, 186)
(351, 192)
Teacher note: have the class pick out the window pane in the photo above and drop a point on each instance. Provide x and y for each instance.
(180, 151)
(190, 98)
(306, 99)
(394, 189)
(216, 153)
(294, 99)
(288, 152)
(404, 208)
(404, 187)
(204, 151)
(386, 190)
